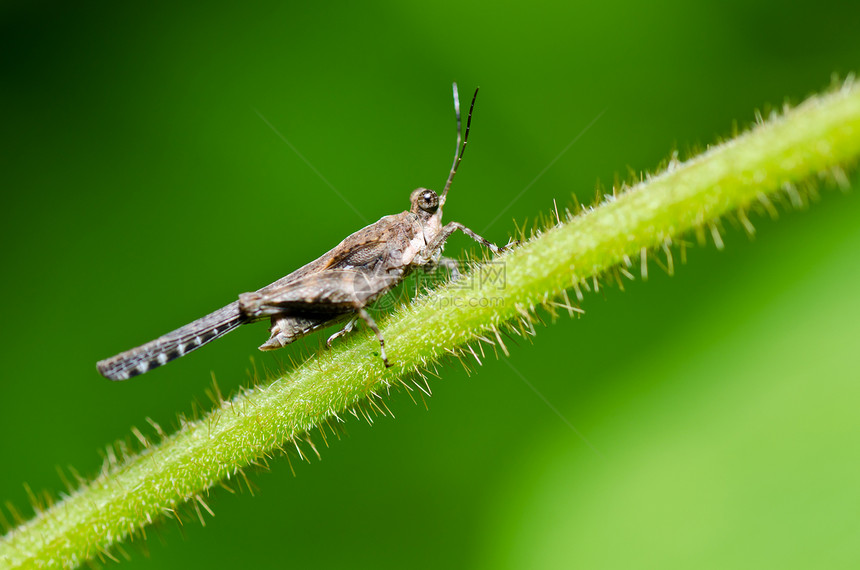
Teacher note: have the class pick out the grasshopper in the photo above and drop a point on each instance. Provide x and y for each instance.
(334, 288)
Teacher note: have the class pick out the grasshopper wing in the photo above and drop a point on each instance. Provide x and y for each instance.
(331, 293)
(172, 345)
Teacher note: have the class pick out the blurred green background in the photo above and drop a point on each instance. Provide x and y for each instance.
(142, 189)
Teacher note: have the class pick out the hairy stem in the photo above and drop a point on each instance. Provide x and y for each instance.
(777, 159)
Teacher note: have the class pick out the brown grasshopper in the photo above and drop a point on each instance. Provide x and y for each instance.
(334, 288)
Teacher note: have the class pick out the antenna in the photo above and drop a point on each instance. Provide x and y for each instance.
(461, 148)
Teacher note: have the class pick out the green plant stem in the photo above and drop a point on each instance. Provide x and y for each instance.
(817, 139)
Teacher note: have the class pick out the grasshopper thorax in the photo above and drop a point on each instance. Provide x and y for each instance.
(424, 202)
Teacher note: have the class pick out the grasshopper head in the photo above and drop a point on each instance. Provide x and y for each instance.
(423, 202)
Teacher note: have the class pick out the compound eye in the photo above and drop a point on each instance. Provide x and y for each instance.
(429, 200)
(424, 200)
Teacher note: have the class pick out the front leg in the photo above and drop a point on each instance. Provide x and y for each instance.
(452, 227)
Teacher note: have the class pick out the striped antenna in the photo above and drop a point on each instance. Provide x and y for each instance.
(461, 141)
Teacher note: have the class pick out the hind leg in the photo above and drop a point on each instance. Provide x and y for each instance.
(286, 329)
(278, 338)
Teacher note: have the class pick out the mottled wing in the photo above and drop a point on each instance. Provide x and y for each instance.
(327, 293)
(172, 345)
(378, 246)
